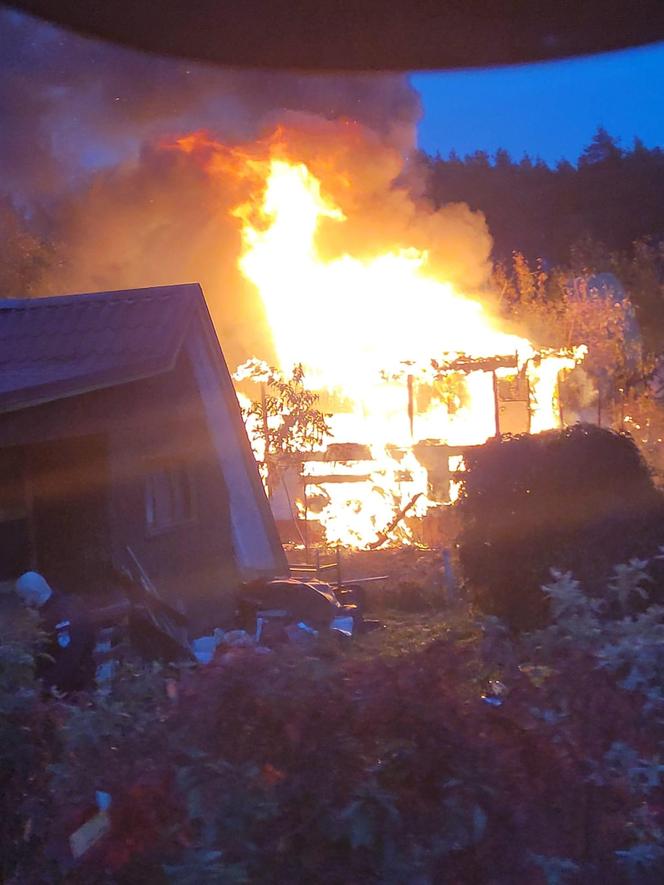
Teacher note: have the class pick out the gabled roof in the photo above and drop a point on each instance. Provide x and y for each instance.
(52, 348)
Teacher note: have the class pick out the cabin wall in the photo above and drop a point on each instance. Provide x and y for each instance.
(191, 562)
(146, 423)
(258, 550)
(67, 483)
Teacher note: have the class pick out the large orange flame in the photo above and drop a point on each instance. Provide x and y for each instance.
(361, 325)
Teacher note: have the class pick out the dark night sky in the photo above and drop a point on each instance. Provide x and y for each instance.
(548, 110)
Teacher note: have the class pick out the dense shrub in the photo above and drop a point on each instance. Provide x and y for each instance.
(289, 768)
(28, 741)
(579, 499)
(479, 758)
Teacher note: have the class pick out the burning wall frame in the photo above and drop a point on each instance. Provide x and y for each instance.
(350, 462)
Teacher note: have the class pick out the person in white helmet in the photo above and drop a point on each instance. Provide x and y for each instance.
(66, 660)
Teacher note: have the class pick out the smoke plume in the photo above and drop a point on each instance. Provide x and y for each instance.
(69, 103)
(88, 130)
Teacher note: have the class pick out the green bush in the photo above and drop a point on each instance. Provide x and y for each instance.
(28, 738)
(476, 757)
(579, 499)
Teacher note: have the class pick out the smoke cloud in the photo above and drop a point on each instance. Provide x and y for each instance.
(85, 129)
(70, 103)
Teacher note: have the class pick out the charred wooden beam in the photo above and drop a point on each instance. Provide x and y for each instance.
(325, 478)
(463, 363)
(384, 536)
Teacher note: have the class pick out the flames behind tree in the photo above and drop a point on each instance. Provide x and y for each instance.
(352, 274)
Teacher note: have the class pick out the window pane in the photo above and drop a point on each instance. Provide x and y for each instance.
(168, 495)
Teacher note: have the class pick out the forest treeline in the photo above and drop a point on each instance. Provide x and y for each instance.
(611, 197)
(604, 214)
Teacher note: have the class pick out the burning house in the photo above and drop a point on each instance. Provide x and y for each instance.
(120, 430)
(363, 495)
(410, 368)
(315, 249)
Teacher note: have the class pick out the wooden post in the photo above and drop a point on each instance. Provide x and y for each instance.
(266, 438)
(622, 408)
(561, 416)
(528, 394)
(305, 501)
(338, 566)
(496, 404)
(411, 406)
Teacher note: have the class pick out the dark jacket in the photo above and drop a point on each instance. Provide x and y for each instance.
(66, 661)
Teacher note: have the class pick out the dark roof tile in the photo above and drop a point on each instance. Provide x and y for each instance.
(61, 346)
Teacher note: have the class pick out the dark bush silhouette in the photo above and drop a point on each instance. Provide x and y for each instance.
(580, 499)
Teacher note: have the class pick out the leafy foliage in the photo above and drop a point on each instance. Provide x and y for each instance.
(204, 867)
(559, 310)
(325, 766)
(285, 420)
(621, 747)
(556, 870)
(532, 502)
(611, 195)
(27, 740)
(602, 215)
(24, 254)
(300, 426)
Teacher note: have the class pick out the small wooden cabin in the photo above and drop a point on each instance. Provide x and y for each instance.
(119, 427)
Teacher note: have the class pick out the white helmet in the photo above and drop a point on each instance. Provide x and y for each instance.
(33, 589)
